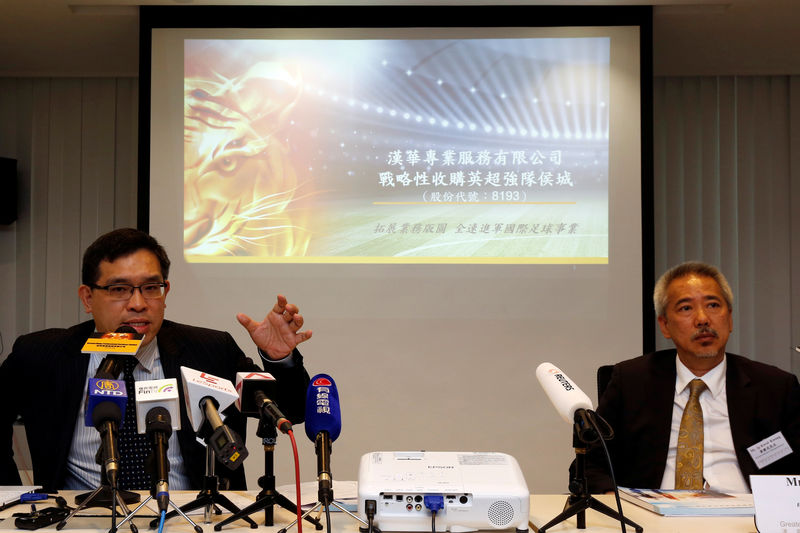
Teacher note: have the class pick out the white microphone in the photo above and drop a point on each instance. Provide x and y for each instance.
(157, 393)
(566, 397)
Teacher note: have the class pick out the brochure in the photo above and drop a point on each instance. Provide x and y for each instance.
(689, 502)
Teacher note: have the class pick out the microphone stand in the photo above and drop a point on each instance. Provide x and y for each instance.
(326, 500)
(325, 493)
(579, 498)
(157, 465)
(104, 496)
(268, 496)
(208, 497)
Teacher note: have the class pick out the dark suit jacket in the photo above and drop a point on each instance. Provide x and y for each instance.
(43, 381)
(762, 400)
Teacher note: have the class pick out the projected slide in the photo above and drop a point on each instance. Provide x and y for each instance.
(396, 151)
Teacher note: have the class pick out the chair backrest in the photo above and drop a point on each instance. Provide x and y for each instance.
(603, 377)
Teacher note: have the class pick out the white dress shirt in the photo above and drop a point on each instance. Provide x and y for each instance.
(720, 468)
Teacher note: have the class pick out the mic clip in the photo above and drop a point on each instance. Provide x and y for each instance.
(589, 427)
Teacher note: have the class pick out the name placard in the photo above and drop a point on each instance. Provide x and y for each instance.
(777, 503)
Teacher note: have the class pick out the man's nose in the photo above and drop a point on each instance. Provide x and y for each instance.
(137, 300)
(701, 318)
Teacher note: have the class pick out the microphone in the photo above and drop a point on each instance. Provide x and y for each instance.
(205, 396)
(255, 392)
(157, 393)
(570, 401)
(111, 366)
(158, 426)
(106, 418)
(323, 425)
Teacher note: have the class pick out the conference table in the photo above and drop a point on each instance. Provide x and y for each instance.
(543, 508)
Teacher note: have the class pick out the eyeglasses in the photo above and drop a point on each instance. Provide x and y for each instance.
(123, 291)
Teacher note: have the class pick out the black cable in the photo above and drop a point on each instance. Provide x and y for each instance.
(433, 521)
(328, 516)
(370, 508)
(610, 468)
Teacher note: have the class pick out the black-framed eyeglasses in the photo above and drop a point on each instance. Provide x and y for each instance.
(123, 291)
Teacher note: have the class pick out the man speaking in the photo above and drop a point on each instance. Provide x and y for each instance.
(125, 283)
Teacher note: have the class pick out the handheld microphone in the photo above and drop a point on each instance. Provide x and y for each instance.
(158, 427)
(106, 418)
(570, 401)
(323, 425)
(111, 365)
(255, 392)
(157, 393)
(205, 396)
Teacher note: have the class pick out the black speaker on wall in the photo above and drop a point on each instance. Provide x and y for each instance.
(8, 190)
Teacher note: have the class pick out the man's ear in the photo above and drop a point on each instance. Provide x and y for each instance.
(662, 324)
(85, 294)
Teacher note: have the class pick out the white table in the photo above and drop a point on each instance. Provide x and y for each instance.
(543, 509)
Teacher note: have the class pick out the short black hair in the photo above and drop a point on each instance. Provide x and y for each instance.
(120, 243)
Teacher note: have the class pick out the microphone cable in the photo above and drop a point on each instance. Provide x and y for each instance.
(290, 432)
(593, 421)
(161, 522)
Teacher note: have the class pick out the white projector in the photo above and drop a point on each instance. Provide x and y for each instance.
(476, 490)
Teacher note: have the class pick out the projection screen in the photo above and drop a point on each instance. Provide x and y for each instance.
(451, 195)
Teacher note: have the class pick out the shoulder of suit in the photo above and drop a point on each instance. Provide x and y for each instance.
(56, 334)
(168, 327)
(755, 369)
(661, 358)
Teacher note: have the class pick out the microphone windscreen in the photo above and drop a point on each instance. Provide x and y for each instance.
(158, 419)
(125, 329)
(106, 411)
(322, 408)
(563, 393)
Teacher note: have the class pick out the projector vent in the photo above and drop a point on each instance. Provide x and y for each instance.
(501, 513)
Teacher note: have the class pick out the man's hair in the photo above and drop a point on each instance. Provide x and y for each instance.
(120, 243)
(684, 269)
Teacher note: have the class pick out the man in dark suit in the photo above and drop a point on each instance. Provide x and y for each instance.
(125, 283)
(742, 402)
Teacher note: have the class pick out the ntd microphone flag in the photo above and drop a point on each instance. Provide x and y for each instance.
(104, 390)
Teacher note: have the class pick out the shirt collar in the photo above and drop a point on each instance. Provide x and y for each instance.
(714, 378)
(148, 355)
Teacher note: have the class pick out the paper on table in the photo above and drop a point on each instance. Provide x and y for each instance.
(10, 493)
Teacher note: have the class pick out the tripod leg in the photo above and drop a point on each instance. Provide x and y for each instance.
(188, 507)
(81, 507)
(579, 506)
(608, 511)
(342, 509)
(225, 503)
(197, 528)
(305, 515)
(287, 504)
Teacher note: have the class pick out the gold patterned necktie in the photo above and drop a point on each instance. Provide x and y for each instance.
(689, 460)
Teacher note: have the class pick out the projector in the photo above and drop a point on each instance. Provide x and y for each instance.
(476, 490)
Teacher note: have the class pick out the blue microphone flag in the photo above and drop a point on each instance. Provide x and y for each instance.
(104, 390)
(322, 408)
